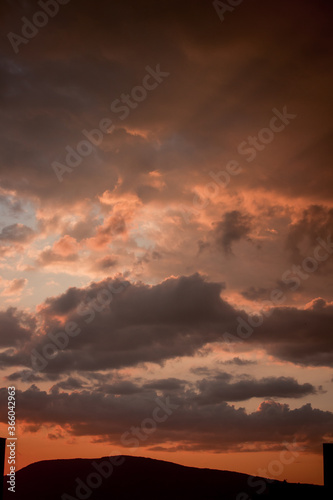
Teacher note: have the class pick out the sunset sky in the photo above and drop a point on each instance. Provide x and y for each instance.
(166, 200)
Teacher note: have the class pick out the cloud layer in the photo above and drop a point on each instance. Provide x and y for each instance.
(184, 248)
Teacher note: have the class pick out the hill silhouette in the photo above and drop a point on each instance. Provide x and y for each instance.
(147, 479)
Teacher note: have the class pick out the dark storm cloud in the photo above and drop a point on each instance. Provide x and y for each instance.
(32, 376)
(16, 327)
(168, 384)
(233, 227)
(202, 371)
(48, 257)
(258, 294)
(192, 427)
(105, 263)
(17, 376)
(240, 362)
(123, 387)
(70, 384)
(299, 335)
(16, 233)
(64, 303)
(141, 324)
(216, 390)
(177, 317)
(183, 300)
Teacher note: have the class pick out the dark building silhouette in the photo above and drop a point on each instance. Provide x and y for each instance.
(2, 463)
(328, 466)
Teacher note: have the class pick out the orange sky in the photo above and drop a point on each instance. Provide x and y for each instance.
(165, 231)
(264, 464)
